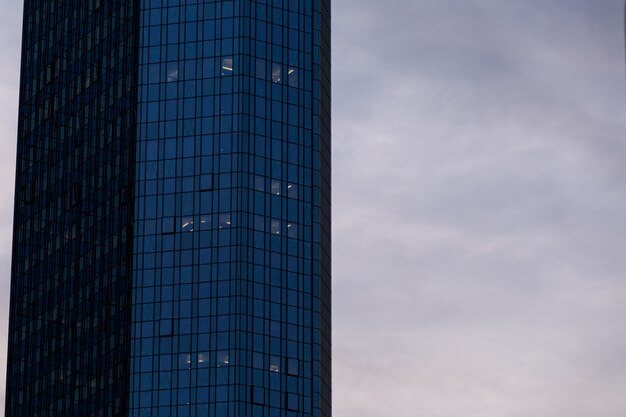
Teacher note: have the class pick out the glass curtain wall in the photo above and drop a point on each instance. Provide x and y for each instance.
(69, 339)
(231, 279)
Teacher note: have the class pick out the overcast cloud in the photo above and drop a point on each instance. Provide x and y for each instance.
(10, 43)
(479, 206)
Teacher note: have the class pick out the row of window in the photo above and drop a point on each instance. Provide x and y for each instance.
(219, 276)
(197, 182)
(196, 155)
(192, 69)
(216, 359)
(168, 11)
(164, 402)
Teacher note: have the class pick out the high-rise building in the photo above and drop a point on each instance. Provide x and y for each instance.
(171, 244)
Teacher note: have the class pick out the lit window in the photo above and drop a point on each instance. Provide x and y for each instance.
(205, 222)
(225, 220)
(292, 191)
(203, 360)
(186, 224)
(276, 73)
(292, 77)
(227, 66)
(223, 358)
(274, 364)
(275, 187)
(185, 361)
(172, 72)
(292, 230)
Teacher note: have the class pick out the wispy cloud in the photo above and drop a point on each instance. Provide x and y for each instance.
(479, 208)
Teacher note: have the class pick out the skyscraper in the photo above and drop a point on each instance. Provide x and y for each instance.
(171, 246)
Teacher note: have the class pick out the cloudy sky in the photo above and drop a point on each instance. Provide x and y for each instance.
(479, 206)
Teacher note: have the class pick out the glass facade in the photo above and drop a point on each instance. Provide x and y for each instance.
(199, 271)
(69, 339)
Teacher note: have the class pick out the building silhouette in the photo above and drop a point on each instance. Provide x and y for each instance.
(171, 244)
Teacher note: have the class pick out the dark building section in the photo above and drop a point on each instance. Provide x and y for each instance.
(172, 231)
(69, 333)
(322, 198)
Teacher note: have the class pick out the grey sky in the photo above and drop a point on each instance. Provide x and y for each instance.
(479, 206)
(10, 42)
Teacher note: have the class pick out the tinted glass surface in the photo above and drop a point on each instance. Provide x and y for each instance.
(231, 313)
(69, 338)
